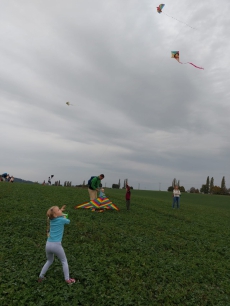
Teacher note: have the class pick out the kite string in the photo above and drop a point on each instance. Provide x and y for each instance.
(179, 20)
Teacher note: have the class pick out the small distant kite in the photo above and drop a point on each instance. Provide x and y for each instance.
(176, 55)
(98, 205)
(69, 104)
(159, 10)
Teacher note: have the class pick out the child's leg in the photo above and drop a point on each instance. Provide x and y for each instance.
(60, 253)
(50, 259)
(178, 202)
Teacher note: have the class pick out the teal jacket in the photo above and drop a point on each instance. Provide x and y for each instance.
(95, 183)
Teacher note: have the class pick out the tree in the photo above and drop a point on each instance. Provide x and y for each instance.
(203, 188)
(192, 190)
(207, 187)
(182, 189)
(125, 183)
(223, 186)
(174, 183)
(170, 188)
(216, 190)
(119, 183)
(211, 184)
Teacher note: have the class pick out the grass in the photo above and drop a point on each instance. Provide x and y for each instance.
(151, 255)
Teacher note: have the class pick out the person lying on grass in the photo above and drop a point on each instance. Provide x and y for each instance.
(56, 221)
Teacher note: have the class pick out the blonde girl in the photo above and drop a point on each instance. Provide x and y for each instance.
(57, 222)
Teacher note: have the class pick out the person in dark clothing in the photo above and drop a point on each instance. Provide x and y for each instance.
(128, 196)
(4, 176)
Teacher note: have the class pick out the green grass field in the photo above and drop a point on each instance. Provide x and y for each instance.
(151, 255)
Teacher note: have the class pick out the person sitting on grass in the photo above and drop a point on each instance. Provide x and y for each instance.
(56, 222)
(102, 193)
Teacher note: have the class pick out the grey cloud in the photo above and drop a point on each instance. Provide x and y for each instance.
(136, 112)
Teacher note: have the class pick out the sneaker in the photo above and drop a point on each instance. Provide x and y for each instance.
(41, 279)
(70, 281)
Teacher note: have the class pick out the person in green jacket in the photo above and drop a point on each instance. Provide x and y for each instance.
(93, 188)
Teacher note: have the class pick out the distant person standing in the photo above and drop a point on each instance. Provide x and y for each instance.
(128, 196)
(93, 186)
(176, 197)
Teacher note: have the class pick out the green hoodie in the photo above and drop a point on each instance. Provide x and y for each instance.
(95, 183)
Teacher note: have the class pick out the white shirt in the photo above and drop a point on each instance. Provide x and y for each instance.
(176, 192)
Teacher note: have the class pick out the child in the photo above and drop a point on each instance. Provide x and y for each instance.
(127, 196)
(176, 197)
(53, 244)
(102, 193)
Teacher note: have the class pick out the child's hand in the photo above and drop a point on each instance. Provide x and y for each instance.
(63, 207)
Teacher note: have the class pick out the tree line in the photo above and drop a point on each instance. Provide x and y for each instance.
(211, 188)
(176, 183)
(208, 188)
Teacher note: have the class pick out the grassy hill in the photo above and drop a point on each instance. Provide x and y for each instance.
(151, 255)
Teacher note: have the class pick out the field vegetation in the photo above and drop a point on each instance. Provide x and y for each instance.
(150, 255)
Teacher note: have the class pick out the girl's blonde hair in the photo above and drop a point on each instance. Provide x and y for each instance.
(50, 213)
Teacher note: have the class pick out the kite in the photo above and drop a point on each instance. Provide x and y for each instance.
(176, 55)
(99, 205)
(159, 10)
(69, 104)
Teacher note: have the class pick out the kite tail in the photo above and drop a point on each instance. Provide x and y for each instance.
(179, 20)
(191, 64)
(195, 66)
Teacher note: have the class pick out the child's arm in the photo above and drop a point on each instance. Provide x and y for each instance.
(63, 207)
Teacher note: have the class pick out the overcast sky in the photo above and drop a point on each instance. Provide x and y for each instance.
(137, 113)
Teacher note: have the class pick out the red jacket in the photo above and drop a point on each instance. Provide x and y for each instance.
(128, 193)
